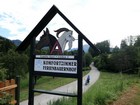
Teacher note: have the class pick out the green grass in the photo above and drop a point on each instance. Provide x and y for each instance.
(45, 82)
(105, 91)
(136, 99)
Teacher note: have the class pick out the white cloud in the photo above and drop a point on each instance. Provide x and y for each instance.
(98, 19)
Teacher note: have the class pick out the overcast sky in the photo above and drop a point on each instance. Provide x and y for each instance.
(99, 20)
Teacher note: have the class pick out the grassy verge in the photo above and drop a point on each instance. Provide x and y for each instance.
(136, 99)
(45, 82)
(105, 91)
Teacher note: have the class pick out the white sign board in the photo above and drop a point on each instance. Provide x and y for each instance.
(56, 56)
(56, 66)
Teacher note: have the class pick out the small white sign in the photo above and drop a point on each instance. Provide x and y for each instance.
(56, 66)
(56, 56)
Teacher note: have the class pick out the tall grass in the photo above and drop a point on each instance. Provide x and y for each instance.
(105, 91)
(136, 99)
(45, 82)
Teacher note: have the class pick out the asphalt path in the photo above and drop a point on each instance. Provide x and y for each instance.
(44, 99)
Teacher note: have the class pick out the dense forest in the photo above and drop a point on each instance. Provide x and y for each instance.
(124, 59)
(11, 62)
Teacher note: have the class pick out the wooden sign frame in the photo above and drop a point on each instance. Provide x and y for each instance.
(30, 40)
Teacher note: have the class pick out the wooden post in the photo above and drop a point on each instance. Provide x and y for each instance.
(31, 76)
(80, 54)
(17, 90)
(12, 82)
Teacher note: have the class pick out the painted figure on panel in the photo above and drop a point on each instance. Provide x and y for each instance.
(56, 45)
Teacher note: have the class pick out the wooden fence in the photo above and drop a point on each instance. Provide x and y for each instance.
(10, 87)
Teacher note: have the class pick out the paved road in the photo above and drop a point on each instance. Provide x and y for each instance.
(43, 99)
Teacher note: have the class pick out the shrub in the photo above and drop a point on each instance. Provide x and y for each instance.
(16, 64)
(86, 68)
(2, 74)
(6, 98)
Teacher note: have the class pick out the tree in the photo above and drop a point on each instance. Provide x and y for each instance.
(91, 51)
(131, 40)
(137, 46)
(101, 61)
(124, 60)
(137, 42)
(5, 45)
(123, 44)
(87, 59)
(116, 49)
(119, 62)
(2, 73)
(15, 63)
(104, 46)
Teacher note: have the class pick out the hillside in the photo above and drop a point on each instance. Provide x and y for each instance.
(16, 42)
(6, 44)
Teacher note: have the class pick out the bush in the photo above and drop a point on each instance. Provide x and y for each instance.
(87, 59)
(2, 73)
(86, 68)
(5, 100)
(16, 64)
(6, 97)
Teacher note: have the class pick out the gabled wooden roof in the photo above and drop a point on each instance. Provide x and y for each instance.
(42, 24)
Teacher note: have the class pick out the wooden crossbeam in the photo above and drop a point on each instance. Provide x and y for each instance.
(56, 93)
(8, 87)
